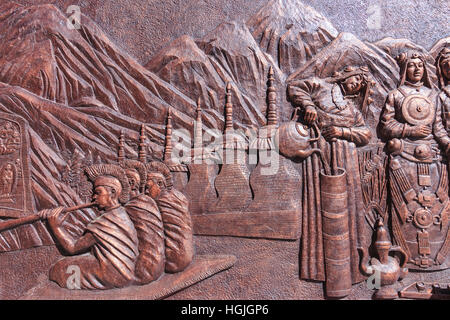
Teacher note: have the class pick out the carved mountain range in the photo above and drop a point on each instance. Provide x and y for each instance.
(202, 68)
(82, 67)
(291, 32)
(77, 91)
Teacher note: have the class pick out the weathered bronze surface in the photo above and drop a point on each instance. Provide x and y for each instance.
(275, 158)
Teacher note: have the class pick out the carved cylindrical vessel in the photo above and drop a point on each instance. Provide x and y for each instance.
(335, 232)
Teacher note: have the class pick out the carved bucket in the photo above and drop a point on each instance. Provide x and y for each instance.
(335, 232)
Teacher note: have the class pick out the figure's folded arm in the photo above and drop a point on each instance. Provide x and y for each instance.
(301, 93)
(83, 244)
(74, 246)
(360, 136)
(359, 133)
(390, 127)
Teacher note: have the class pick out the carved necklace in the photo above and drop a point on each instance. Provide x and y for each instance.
(415, 85)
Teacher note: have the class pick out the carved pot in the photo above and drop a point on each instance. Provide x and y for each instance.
(295, 141)
(386, 267)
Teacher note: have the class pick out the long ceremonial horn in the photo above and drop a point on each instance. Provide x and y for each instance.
(5, 225)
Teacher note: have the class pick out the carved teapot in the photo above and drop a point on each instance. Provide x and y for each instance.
(388, 268)
(295, 140)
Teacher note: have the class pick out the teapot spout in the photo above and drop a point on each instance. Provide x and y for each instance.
(303, 154)
(364, 262)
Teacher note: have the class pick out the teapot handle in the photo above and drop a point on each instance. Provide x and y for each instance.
(295, 114)
(318, 133)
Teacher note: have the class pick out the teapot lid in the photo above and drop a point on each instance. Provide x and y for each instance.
(382, 241)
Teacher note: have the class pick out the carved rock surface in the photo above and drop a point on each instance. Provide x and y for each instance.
(82, 68)
(291, 32)
(202, 68)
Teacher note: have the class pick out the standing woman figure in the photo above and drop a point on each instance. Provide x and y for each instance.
(418, 146)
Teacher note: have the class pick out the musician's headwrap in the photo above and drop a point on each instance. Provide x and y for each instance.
(161, 168)
(137, 167)
(110, 175)
(444, 55)
(404, 58)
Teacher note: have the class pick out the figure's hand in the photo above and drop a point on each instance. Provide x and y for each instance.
(54, 216)
(420, 131)
(332, 132)
(310, 114)
(44, 214)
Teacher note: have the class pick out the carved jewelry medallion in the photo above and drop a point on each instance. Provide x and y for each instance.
(417, 110)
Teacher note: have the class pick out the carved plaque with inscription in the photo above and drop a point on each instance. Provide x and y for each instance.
(15, 177)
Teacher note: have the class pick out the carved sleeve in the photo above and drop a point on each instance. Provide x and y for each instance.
(444, 103)
(390, 127)
(359, 134)
(302, 93)
(439, 131)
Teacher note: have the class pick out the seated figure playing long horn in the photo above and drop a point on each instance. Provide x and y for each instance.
(107, 251)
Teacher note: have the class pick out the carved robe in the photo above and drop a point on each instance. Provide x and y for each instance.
(146, 217)
(111, 262)
(333, 109)
(418, 176)
(176, 217)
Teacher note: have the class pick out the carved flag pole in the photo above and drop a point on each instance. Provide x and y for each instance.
(121, 151)
(142, 149)
(168, 147)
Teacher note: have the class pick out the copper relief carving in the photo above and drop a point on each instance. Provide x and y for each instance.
(149, 181)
